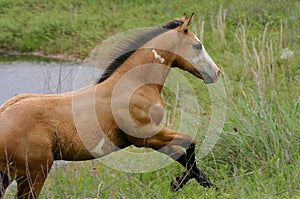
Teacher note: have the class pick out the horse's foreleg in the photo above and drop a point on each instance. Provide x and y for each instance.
(169, 142)
(192, 167)
(176, 153)
(191, 172)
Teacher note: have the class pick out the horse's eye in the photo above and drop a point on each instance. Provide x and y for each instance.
(197, 46)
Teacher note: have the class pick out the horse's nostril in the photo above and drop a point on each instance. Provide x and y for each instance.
(219, 71)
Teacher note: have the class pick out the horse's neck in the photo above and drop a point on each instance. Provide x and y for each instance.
(145, 66)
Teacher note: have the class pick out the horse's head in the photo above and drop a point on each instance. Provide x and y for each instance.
(191, 54)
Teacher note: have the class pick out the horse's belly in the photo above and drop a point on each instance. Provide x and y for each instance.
(83, 146)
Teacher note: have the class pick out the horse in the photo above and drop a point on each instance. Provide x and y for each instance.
(123, 108)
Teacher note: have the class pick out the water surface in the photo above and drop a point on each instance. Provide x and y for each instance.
(33, 74)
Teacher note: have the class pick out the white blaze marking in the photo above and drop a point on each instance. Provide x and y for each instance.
(206, 66)
(203, 57)
(157, 56)
(196, 59)
(98, 149)
(197, 38)
(199, 57)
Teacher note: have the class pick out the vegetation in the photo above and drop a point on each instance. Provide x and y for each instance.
(256, 42)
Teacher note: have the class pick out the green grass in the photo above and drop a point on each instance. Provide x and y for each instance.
(258, 153)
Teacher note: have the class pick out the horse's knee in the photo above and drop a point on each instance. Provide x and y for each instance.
(163, 138)
(184, 140)
(137, 142)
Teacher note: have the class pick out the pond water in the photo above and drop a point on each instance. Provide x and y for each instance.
(33, 74)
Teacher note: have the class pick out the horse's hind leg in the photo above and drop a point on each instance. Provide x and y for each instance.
(30, 186)
(32, 175)
(4, 182)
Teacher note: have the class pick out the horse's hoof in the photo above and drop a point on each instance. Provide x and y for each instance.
(206, 183)
(216, 187)
(175, 186)
(202, 179)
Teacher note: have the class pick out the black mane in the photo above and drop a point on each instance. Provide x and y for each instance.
(132, 45)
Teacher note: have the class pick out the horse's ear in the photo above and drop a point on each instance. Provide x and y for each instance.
(187, 22)
(183, 17)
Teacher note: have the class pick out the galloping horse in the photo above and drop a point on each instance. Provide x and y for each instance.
(123, 108)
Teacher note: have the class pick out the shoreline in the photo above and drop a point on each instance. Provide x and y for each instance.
(58, 57)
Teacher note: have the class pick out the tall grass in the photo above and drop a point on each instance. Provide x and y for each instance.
(257, 156)
(261, 135)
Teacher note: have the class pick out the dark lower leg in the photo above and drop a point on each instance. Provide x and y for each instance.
(28, 187)
(24, 188)
(178, 182)
(174, 152)
(169, 142)
(194, 172)
(191, 172)
(4, 182)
